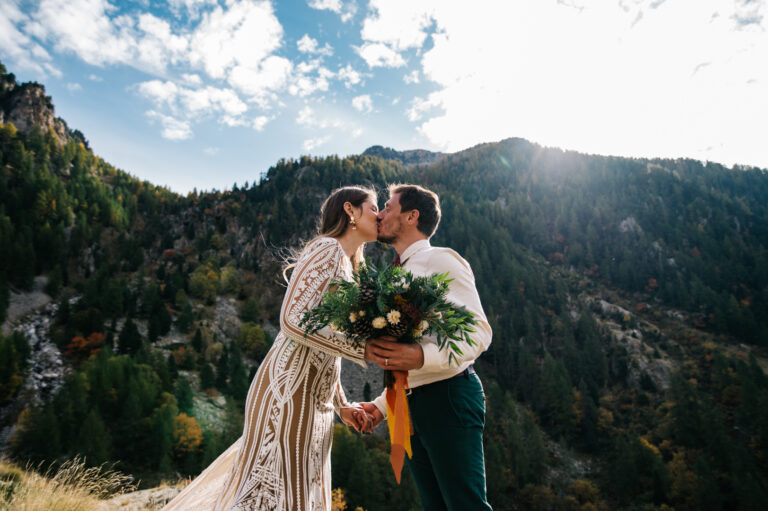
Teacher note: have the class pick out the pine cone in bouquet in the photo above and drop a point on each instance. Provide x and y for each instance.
(363, 328)
(367, 295)
(397, 330)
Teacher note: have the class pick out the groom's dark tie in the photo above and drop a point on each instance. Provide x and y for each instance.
(396, 261)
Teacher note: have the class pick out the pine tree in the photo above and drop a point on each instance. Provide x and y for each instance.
(223, 371)
(184, 396)
(129, 340)
(185, 320)
(207, 378)
(238, 386)
(94, 439)
(197, 341)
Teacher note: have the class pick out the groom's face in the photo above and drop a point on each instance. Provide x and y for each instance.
(390, 223)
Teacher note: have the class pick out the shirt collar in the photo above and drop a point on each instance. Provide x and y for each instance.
(413, 248)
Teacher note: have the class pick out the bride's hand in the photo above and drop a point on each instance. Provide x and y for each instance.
(355, 416)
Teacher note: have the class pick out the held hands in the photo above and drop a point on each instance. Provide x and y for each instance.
(356, 417)
(363, 417)
(395, 356)
(374, 414)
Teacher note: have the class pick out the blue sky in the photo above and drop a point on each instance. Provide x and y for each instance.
(206, 93)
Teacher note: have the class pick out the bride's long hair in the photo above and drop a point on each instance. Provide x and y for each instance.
(334, 221)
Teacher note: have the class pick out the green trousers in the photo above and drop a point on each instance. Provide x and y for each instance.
(447, 464)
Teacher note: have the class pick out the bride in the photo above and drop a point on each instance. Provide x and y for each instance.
(282, 461)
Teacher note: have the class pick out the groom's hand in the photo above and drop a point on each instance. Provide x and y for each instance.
(374, 415)
(393, 355)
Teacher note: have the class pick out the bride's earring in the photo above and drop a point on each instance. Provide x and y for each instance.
(352, 222)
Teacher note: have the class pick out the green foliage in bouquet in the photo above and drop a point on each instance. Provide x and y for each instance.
(389, 300)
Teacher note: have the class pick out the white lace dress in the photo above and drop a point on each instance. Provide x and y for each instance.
(282, 461)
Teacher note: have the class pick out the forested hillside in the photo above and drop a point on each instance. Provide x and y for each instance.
(628, 298)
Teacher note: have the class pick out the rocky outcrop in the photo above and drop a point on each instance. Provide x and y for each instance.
(22, 304)
(46, 371)
(28, 106)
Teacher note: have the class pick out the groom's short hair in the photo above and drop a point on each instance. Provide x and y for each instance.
(425, 201)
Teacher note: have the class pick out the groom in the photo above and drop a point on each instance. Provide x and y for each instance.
(446, 403)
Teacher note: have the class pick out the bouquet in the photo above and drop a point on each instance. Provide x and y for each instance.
(388, 300)
(385, 300)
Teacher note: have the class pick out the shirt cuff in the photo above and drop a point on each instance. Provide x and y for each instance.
(381, 403)
(433, 359)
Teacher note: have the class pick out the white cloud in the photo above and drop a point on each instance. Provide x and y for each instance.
(309, 45)
(313, 143)
(357, 132)
(346, 11)
(235, 42)
(331, 5)
(749, 13)
(350, 9)
(83, 27)
(306, 117)
(173, 129)
(192, 7)
(599, 77)
(18, 47)
(380, 55)
(192, 79)
(363, 103)
(420, 106)
(95, 78)
(240, 37)
(349, 76)
(412, 77)
(187, 105)
(211, 99)
(211, 151)
(260, 122)
(74, 87)
(402, 24)
(305, 85)
(270, 75)
(159, 92)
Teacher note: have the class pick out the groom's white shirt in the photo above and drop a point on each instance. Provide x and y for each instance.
(422, 259)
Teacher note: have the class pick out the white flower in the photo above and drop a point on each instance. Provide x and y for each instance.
(379, 322)
(406, 286)
(394, 317)
(417, 333)
(361, 314)
(423, 325)
(352, 317)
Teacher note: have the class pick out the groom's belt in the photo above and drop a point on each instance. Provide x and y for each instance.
(464, 374)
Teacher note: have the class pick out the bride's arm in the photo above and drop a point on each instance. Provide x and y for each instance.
(320, 263)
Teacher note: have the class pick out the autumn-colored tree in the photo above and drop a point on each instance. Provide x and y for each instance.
(81, 347)
(187, 435)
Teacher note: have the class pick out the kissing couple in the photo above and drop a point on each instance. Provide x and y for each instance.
(282, 461)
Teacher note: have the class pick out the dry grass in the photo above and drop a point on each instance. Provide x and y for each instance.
(71, 487)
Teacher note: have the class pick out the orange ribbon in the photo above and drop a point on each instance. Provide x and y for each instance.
(399, 422)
